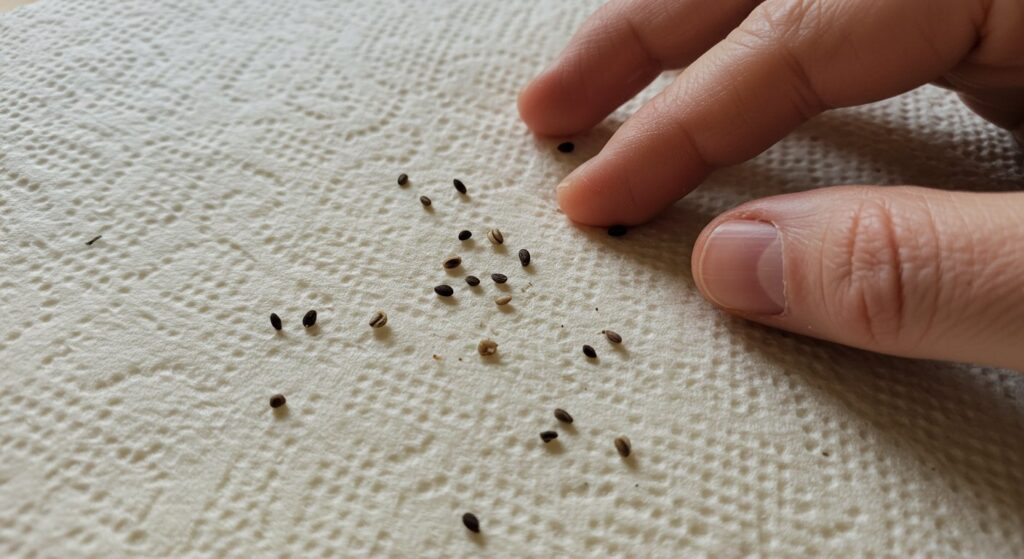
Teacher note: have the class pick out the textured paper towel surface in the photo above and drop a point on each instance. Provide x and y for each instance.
(239, 158)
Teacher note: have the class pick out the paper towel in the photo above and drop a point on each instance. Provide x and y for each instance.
(240, 158)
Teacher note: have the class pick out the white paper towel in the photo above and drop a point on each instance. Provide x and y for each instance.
(239, 158)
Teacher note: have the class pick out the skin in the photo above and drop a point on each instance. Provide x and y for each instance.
(906, 271)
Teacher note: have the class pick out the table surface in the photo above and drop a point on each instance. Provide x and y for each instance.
(7, 5)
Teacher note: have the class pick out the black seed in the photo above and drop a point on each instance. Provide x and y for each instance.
(548, 436)
(452, 262)
(524, 257)
(465, 234)
(309, 319)
(275, 321)
(459, 186)
(424, 200)
(473, 281)
(617, 230)
(562, 415)
(613, 337)
(277, 400)
(566, 147)
(471, 522)
(93, 240)
(623, 445)
(499, 278)
(589, 352)
(403, 179)
(444, 290)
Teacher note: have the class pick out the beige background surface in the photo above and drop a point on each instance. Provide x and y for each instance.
(6, 5)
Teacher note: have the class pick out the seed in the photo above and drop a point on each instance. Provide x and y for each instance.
(499, 278)
(623, 445)
(93, 240)
(495, 236)
(275, 321)
(613, 337)
(424, 200)
(465, 234)
(309, 319)
(459, 186)
(473, 281)
(403, 179)
(524, 257)
(451, 262)
(471, 522)
(379, 319)
(277, 400)
(487, 347)
(548, 436)
(444, 290)
(562, 415)
(566, 147)
(503, 300)
(617, 230)
(589, 352)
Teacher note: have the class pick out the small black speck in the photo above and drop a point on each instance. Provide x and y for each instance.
(471, 522)
(277, 400)
(589, 352)
(617, 230)
(425, 201)
(473, 281)
(566, 147)
(275, 321)
(444, 290)
(825, 454)
(403, 179)
(93, 240)
(524, 257)
(548, 436)
(465, 234)
(499, 278)
(459, 186)
(309, 319)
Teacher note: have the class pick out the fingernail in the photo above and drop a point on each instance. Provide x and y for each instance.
(741, 267)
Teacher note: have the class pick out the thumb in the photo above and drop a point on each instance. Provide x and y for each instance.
(900, 270)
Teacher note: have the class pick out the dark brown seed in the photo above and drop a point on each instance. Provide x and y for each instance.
(617, 230)
(524, 257)
(623, 445)
(403, 179)
(562, 415)
(473, 281)
(613, 337)
(379, 319)
(452, 262)
(309, 319)
(465, 234)
(503, 300)
(487, 347)
(589, 352)
(277, 400)
(495, 236)
(459, 186)
(444, 290)
(424, 200)
(499, 278)
(93, 240)
(566, 147)
(548, 436)
(275, 321)
(471, 522)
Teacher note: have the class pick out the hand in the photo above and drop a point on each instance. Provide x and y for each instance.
(907, 271)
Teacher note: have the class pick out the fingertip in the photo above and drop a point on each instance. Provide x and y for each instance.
(548, 108)
(591, 195)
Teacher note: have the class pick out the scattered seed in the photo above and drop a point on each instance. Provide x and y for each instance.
(548, 436)
(424, 200)
(503, 300)
(562, 415)
(623, 445)
(403, 179)
(617, 230)
(275, 321)
(495, 236)
(524, 257)
(459, 186)
(277, 400)
(436, 357)
(465, 234)
(471, 522)
(487, 347)
(379, 319)
(499, 278)
(93, 240)
(473, 281)
(613, 337)
(444, 290)
(566, 147)
(589, 352)
(309, 319)
(452, 262)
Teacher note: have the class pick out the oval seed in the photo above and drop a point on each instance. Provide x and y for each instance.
(309, 319)
(444, 290)
(613, 337)
(548, 436)
(465, 234)
(499, 278)
(471, 522)
(617, 230)
(495, 236)
(379, 319)
(562, 415)
(451, 262)
(487, 347)
(503, 300)
(623, 445)
(589, 352)
(524, 257)
(277, 400)
(473, 281)
(566, 147)
(403, 179)
(459, 186)
(424, 200)
(275, 321)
